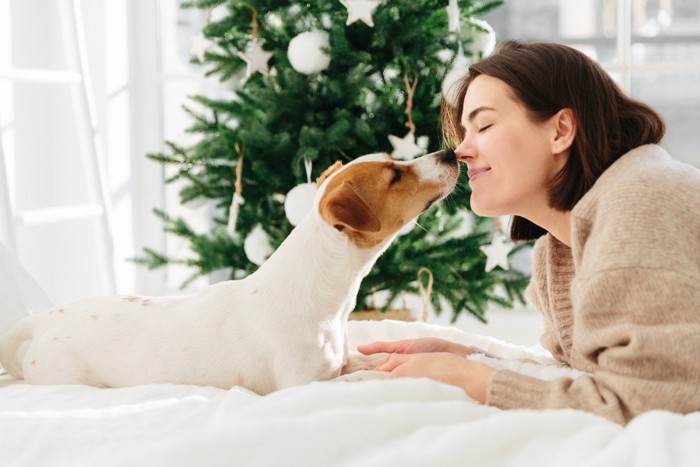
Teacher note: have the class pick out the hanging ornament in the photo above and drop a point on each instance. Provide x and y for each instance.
(255, 56)
(300, 200)
(452, 16)
(237, 198)
(406, 147)
(459, 69)
(256, 59)
(307, 53)
(497, 252)
(465, 227)
(360, 10)
(460, 64)
(199, 46)
(257, 246)
(483, 38)
(199, 43)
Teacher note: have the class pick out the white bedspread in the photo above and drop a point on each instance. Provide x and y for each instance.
(370, 423)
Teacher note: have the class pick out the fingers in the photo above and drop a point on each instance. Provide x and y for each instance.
(393, 361)
(383, 347)
(374, 347)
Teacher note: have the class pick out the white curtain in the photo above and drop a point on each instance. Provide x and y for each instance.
(20, 295)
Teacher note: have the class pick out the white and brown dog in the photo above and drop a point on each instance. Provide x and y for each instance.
(284, 325)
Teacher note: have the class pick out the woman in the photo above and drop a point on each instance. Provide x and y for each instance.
(549, 138)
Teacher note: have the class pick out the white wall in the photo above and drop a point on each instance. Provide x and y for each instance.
(43, 144)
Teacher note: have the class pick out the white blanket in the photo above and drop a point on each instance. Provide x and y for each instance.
(371, 423)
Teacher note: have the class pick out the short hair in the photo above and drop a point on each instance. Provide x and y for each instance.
(546, 78)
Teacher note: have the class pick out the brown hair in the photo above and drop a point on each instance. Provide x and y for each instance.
(546, 78)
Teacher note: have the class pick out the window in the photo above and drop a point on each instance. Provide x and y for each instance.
(650, 47)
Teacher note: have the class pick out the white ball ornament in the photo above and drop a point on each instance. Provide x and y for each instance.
(466, 226)
(299, 202)
(306, 54)
(257, 246)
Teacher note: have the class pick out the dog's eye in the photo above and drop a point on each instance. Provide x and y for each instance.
(397, 176)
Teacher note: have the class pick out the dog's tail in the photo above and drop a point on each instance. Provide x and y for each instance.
(12, 349)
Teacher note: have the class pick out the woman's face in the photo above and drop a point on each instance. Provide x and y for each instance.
(508, 156)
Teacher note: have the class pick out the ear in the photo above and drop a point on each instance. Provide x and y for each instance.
(328, 172)
(344, 208)
(564, 126)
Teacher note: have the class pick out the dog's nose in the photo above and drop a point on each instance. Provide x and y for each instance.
(448, 155)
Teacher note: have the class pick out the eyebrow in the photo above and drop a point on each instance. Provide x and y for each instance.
(472, 115)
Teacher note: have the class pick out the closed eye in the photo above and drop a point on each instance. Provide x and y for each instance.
(484, 128)
(397, 176)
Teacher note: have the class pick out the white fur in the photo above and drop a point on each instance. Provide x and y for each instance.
(284, 325)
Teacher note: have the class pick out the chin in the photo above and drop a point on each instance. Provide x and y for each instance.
(480, 210)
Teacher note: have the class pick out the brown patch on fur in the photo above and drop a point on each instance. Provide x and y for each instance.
(33, 362)
(346, 208)
(131, 298)
(328, 172)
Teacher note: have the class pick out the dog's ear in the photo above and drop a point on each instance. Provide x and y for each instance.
(328, 172)
(344, 208)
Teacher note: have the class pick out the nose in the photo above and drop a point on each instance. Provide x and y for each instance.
(448, 155)
(465, 151)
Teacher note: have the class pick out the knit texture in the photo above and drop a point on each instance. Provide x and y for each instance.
(623, 303)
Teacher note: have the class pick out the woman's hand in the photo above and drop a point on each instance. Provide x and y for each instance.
(413, 346)
(473, 377)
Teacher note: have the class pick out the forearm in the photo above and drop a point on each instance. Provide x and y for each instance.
(477, 381)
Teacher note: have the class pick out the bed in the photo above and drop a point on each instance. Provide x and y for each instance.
(368, 422)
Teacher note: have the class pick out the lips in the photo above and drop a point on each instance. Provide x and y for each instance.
(472, 173)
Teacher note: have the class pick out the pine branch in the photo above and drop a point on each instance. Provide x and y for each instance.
(482, 8)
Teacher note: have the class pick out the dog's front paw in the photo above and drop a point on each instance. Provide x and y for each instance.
(361, 375)
(360, 362)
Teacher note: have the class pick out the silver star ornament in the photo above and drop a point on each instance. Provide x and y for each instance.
(405, 148)
(497, 253)
(199, 46)
(256, 59)
(360, 10)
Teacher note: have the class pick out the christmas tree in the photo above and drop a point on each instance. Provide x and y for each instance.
(323, 81)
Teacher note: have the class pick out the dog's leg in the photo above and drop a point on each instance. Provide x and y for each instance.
(361, 367)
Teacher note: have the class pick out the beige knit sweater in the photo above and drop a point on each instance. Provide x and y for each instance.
(623, 303)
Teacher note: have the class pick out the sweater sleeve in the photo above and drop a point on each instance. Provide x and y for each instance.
(645, 357)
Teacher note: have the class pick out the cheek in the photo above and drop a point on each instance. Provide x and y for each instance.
(519, 153)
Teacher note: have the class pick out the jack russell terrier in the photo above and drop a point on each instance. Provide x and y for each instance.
(282, 326)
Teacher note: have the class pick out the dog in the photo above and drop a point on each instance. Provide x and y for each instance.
(284, 325)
